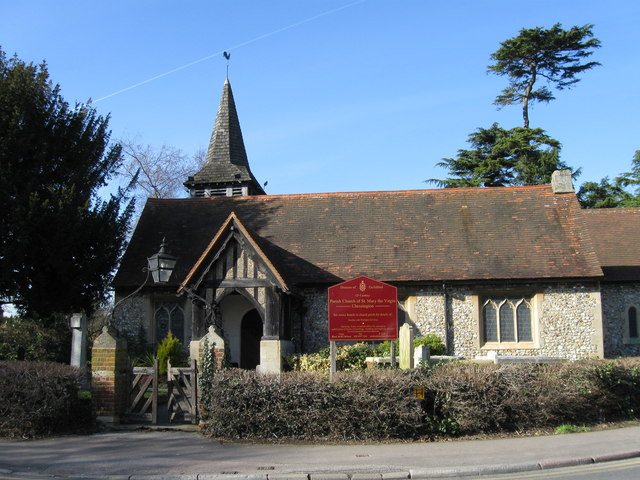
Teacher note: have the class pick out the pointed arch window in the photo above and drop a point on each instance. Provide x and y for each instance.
(169, 317)
(632, 325)
(507, 320)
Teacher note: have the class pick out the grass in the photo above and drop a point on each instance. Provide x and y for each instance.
(567, 428)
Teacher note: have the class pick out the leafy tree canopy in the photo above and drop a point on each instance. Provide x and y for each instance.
(499, 157)
(613, 193)
(60, 241)
(555, 54)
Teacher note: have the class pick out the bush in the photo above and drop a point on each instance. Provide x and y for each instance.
(42, 399)
(170, 349)
(27, 339)
(308, 362)
(383, 349)
(432, 341)
(461, 398)
(348, 358)
(485, 398)
(306, 406)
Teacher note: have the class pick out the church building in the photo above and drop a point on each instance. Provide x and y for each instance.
(514, 271)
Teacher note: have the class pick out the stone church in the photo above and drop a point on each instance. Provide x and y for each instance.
(514, 271)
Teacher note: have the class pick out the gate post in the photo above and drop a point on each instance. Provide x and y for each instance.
(109, 375)
(196, 347)
(78, 340)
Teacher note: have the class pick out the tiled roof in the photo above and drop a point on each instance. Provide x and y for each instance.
(226, 161)
(615, 233)
(515, 233)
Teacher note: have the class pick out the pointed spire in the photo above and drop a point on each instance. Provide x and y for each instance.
(226, 166)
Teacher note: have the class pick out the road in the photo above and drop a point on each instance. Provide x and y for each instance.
(623, 470)
(121, 455)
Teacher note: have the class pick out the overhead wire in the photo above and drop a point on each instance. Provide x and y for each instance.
(228, 49)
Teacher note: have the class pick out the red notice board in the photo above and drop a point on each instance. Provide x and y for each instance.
(363, 309)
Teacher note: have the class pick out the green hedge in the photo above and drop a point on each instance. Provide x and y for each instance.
(41, 399)
(461, 398)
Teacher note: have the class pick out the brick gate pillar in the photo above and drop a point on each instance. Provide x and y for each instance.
(109, 375)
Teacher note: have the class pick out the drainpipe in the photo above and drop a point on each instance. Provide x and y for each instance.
(447, 320)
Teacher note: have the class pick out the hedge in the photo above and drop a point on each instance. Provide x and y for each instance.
(41, 399)
(462, 398)
(307, 406)
(483, 398)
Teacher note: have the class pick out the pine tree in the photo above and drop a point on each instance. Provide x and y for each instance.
(555, 55)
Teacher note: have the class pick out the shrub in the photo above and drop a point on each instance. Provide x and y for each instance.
(309, 362)
(27, 339)
(491, 398)
(432, 341)
(41, 399)
(352, 357)
(383, 349)
(348, 358)
(170, 349)
(461, 398)
(305, 406)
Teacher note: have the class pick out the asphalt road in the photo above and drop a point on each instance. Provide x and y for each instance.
(623, 470)
(187, 456)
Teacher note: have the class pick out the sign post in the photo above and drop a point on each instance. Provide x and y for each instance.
(362, 309)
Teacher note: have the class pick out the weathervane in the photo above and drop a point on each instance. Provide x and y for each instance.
(227, 55)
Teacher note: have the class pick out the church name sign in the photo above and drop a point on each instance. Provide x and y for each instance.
(363, 309)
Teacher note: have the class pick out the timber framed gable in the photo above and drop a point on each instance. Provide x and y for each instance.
(234, 263)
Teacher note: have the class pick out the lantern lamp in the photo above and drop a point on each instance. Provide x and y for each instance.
(161, 265)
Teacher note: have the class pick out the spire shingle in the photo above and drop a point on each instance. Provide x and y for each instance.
(226, 165)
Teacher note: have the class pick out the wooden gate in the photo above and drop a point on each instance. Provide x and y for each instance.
(148, 403)
(182, 393)
(142, 398)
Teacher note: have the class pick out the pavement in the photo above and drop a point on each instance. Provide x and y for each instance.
(187, 455)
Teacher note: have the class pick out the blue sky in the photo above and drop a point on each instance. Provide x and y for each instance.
(333, 95)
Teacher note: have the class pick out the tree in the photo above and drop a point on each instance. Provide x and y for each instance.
(554, 54)
(605, 194)
(499, 157)
(60, 241)
(158, 173)
(611, 194)
(632, 178)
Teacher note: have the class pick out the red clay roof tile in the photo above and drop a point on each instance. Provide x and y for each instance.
(404, 236)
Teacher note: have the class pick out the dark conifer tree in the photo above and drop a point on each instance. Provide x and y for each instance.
(59, 241)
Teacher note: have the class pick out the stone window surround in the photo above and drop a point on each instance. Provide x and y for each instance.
(535, 299)
(627, 338)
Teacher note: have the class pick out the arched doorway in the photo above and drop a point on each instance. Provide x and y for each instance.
(243, 329)
(250, 336)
